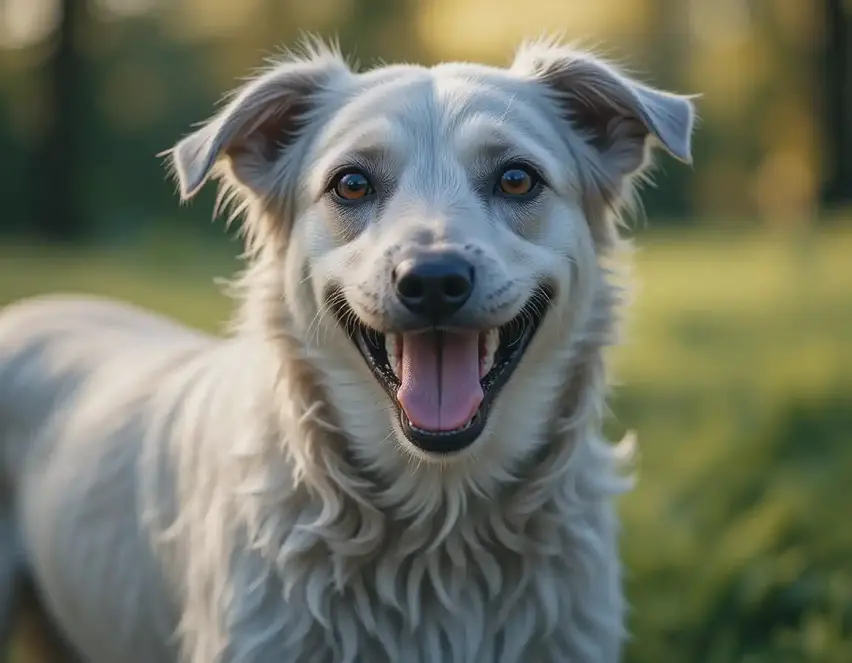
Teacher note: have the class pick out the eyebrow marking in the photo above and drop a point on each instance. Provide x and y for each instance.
(505, 114)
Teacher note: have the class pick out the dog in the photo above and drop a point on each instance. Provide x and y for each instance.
(396, 451)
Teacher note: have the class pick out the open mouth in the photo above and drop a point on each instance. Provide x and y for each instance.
(443, 382)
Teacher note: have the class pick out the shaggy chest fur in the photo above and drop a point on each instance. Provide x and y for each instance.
(485, 591)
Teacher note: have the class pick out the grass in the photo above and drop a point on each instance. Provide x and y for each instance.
(737, 376)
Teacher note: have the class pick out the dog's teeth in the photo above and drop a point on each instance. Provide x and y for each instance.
(393, 350)
(492, 342)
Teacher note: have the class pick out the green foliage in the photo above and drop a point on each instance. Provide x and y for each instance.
(737, 379)
(736, 376)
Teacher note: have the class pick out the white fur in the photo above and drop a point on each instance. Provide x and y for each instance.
(178, 497)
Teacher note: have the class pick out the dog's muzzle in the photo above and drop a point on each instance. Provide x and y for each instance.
(441, 379)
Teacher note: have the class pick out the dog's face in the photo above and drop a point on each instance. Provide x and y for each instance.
(444, 229)
(440, 229)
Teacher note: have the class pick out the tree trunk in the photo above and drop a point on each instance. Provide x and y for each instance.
(837, 100)
(57, 216)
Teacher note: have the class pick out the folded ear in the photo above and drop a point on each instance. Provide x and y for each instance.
(620, 117)
(258, 121)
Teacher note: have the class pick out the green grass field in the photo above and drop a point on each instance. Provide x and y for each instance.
(737, 376)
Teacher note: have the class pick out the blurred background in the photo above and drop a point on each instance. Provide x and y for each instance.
(737, 373)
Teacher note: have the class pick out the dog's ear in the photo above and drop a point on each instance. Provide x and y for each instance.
(258, 122)
(620, 117)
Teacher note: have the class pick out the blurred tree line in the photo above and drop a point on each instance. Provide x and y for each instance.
(93, 89)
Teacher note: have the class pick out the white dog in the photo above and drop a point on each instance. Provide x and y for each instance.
(396, 455)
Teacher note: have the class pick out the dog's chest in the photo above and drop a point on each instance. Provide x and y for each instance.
(445, 604)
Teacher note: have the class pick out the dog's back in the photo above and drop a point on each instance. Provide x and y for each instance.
(53, 349)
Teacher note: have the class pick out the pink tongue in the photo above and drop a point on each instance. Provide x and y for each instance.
(440, 388)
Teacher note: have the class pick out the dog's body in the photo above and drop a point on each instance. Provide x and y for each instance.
(265, 497)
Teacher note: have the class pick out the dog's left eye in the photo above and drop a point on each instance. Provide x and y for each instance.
(517, 181)
(351, 186)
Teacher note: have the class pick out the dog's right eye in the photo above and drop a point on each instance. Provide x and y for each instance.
(352, 186)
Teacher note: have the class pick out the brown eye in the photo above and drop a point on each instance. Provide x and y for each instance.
(517, 181)
(352, 186)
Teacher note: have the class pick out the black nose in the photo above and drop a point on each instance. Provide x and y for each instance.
(434, 286)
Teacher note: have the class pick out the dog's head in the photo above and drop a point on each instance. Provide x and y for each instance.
(437, 232)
